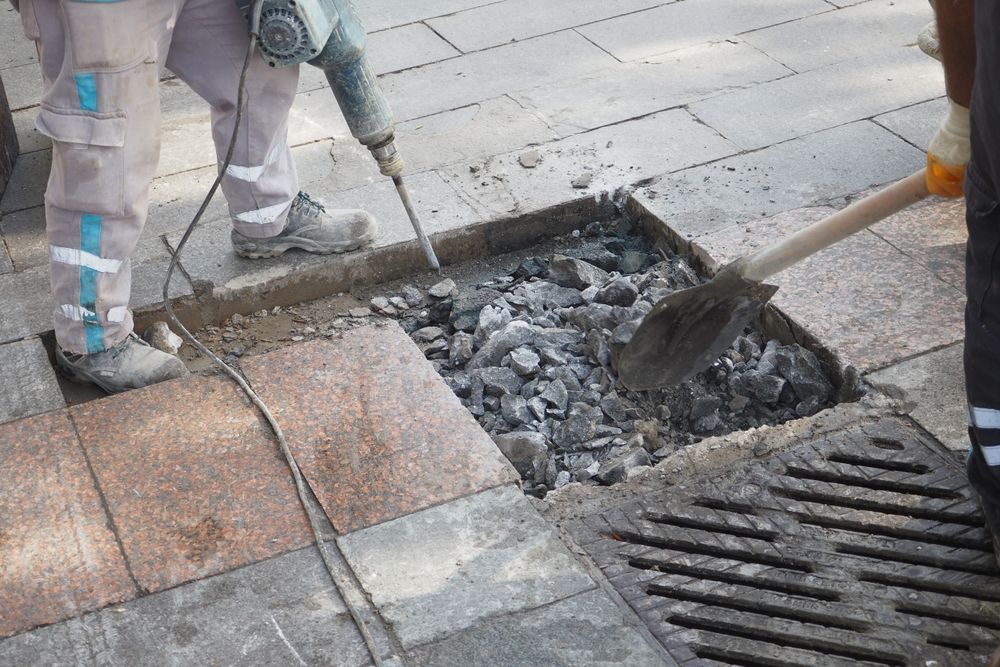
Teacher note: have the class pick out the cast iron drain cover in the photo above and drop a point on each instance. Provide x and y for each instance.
(863, 547)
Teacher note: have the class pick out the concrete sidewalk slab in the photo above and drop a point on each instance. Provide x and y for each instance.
(487, 74)
(29, 139)
(18, 49)
(586, 629)
(613, 157)
(279, 612)
(28, 381)
(833, 37)
(678, 25)
(916, 124)
(23, 84)
(451, 567)
(382, 14)
(823, 98)
(515, 20)
(407, 46)
(631, 90)
(60, 558)
(372, 419)
(26, 187)
(28, 304)
(796, 173)
(197, 486)
(932, 388)
(862, 297)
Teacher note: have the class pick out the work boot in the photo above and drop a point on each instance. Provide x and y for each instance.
(312, 228)
(130, 364)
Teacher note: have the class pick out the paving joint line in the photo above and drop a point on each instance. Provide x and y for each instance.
(112, 525)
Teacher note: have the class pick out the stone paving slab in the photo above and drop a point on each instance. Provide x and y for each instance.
(515, 20)
(862, 297)
(932, 387)
(448, 568)
(916, 123)
(29, 139)
(832, 37)
(26, 187)
(195, 487)
(932, 234)
(631, 90)
(372, 419)
(6, 265)
(59, 556)
(678, 25)
(823, 98)
(586, 629)
(281, 611)
(486, 74)
(792, 174)
(28, 381)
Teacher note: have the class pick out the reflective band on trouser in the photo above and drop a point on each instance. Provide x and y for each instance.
(252, 174)
(90, 242)
(264, 216)
(984, 417)
(992, 454)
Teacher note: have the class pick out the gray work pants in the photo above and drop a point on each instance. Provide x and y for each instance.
(101, 62)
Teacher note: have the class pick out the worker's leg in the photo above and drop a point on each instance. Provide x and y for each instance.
(209, 46)
(982, 344)
(270, 215)
(101, 110)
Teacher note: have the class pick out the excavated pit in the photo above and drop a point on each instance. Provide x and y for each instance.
(530, 349)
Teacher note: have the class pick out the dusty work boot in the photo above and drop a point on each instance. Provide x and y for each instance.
(130, 364)
(312, 228)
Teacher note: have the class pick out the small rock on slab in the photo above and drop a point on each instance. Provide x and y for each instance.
(583, 181)
(529, 159)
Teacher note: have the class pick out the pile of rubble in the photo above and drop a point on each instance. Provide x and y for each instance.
(532, 354)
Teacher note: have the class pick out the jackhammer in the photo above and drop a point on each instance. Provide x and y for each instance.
(329, 35)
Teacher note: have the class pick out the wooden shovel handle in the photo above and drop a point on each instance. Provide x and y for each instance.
(858, 216)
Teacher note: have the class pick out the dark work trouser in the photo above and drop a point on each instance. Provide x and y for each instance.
(982, 340)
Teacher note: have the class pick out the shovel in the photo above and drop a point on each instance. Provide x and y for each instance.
(688, 330)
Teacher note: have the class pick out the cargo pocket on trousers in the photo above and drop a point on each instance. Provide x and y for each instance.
(88, 160)
(101, 35)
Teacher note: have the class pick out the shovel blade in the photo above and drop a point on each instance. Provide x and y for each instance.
(689, 329)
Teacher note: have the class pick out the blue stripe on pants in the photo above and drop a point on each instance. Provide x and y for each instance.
(90, 241)
(86, 89)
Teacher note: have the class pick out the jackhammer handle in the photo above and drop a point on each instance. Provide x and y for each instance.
(858, 216)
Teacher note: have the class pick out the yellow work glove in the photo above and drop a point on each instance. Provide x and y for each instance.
(949, 153)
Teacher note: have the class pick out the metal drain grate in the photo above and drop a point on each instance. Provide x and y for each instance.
(863, 548)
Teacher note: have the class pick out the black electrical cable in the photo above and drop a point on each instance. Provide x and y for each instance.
(300, 486)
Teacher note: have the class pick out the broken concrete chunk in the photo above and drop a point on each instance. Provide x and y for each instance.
(466, 306)
(162, 338)
(427, 334)
(802, 369)
(524, 362)
(515, 410)
(412, 295)
(512, 336)
(617, 469)
(442, 289)
(619, 292)
(575, 273)
(498, 381)
(380, 304)
(556, 395)
(761, 386)
(524, 449)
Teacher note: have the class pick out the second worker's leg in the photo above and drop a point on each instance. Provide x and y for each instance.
(261, 185)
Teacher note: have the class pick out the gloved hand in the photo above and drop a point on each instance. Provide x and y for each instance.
(949, 153)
